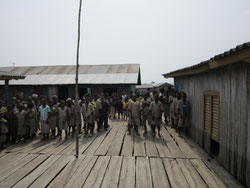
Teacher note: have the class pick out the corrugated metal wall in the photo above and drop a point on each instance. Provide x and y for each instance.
(231, 83)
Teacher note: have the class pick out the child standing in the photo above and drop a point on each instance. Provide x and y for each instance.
(52, 119)
(71, 116)
(21, 129)
(119, 107)
(31, 121)
(63, 119)
(87, 112)
(125, 109)
(44, 110)
(3, 130)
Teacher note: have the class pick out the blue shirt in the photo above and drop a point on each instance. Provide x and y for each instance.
(44, 112)
(184, 108)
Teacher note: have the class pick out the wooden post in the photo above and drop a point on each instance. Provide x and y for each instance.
(6, 93)
(76, 86)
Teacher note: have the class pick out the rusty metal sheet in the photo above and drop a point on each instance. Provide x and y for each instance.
(55, 79)
(70, 69)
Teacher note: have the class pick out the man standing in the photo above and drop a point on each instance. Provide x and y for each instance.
(134, 109)
(156, 110)
(146, 116)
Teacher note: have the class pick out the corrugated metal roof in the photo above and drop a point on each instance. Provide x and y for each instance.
(9, 75)
(205, 64)
(88, 74)
(70, 69)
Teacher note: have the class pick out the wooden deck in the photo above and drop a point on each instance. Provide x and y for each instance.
(112, 159)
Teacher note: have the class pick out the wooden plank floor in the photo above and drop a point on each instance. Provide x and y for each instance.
(109, 159)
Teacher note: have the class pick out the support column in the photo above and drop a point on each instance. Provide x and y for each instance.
(6, 93)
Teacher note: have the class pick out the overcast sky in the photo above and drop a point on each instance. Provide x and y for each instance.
(161, 35)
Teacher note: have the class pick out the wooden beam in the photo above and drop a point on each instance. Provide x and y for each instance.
(234, 58)
(237, 57)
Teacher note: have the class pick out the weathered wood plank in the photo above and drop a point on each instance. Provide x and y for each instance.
(86, 142)
(61, 147)
(151, 150)
(103, 148)
(116, 145)
(143, 173)
(16, 165)
(111, 178)
(139, 147)
(173, 148)
(95, 144)
(71, 147)
(128, 145)
(205, 173)
(174, 173)
(51, 172)
(63, 178)
(159, 175)
(82, 172)
(52, 147)
(22, 172)
(191, 175)
(22, 146)
(96, 175)
(10, 161)
(162, 148)
(6, 160)
(33, 146)
(184, 147)
(28, 180)
(127, 177)
(43, 146)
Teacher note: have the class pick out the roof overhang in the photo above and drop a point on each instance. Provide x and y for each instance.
(242, 54)
(4, 75)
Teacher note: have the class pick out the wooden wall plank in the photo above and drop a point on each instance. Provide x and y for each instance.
(248, 131)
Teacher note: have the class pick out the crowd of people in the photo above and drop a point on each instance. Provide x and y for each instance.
(23, 120)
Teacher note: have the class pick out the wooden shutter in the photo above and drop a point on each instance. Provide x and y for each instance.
(215, 135)
(207, 113)
(212, 115)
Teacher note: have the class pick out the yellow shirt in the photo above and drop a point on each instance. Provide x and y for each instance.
(94, 104)
(125, 105)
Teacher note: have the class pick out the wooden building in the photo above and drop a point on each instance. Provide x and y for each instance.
(60, 80)
(153, 86)
(219, 93)
(6, 77)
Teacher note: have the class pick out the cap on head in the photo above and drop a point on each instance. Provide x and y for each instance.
(68, 99)
(54, 97)
(34, 96)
